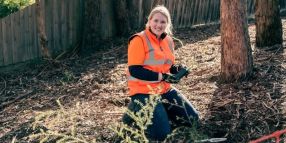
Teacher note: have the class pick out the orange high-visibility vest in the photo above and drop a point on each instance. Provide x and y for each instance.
(159, 57)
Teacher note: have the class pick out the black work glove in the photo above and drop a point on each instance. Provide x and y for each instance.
(170, 78)
(176, 68)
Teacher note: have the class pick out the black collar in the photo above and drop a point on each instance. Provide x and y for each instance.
(162, 36)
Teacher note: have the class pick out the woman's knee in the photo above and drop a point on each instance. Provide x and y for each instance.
(160, 127)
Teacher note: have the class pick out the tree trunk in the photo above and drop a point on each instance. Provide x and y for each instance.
(122, 17)
(147, 7)
(91, 24)
(236, 56)
(133, 13)
(268, 23)
(127, 16)
(41, 31)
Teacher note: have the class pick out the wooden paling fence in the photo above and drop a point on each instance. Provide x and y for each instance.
(18, 31)
(64, 20)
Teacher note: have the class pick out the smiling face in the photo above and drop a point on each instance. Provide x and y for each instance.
(158, 23)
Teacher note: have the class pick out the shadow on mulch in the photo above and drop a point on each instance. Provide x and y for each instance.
(245, 111)
(24, 131)
(193, 35)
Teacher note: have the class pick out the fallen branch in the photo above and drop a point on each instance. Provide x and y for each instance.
(4, 105)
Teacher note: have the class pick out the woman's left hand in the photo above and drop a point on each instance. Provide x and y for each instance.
(176, 68)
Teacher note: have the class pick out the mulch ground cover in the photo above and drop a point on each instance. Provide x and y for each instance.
(95, 87)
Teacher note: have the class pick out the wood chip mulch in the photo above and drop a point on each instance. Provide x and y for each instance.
(240, 111)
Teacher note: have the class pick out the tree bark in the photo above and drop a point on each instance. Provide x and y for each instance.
(268, 23)
(41, 31)
(147, 7)
(133, 13)
(236, 56)
(127, 16)
(122, 17)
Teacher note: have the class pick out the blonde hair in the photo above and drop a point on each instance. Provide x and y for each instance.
(163, 10)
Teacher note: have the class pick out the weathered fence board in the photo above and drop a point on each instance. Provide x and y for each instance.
(35, 34)
(15, 41)
(7, 48)
(63, 23)
(21, 35)
(1, 45)
(71, 24)
(24, 35)
(47, 12)
(32, 33)
(4, 41)
(108, 24)
(55, 17)
(195, 12)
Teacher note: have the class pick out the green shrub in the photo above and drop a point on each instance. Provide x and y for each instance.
(9, 6)
(67, 76)
(142, 118)
(65, 125)
(59, 126)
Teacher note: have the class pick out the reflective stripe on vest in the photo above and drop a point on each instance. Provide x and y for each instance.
(131, 78)
(152, 61)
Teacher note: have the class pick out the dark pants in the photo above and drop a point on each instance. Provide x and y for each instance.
(172, 106)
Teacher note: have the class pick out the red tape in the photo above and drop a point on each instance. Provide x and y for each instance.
(275, 135)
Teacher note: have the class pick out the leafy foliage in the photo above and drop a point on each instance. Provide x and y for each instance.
(142, 119)
(68, 76)
(59, 126)
(9, 6)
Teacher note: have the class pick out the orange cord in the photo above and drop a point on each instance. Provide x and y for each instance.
(275, 135)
